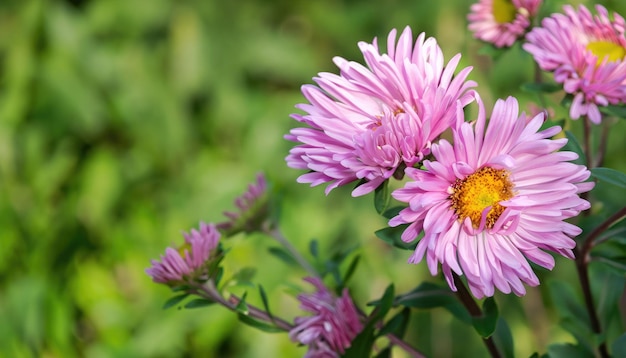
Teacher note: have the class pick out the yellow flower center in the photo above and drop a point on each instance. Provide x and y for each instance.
(504, 11)
(484, 188)
(603, 49)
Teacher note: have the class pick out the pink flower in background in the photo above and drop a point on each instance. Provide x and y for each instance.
(586, 54)
(190, 261)
(368, 123)
(333, 325)
(501, 22)
(494, 201)
(252, 209)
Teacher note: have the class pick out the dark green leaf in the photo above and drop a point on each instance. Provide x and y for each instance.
(394, 211)
(283, 255)
(198, 303)
(242, 306)
(485, 325)
(362, 344)
(572, 314)
(608, 288)
(567, 350)
(397, 324)
(615, 111)
(618, 348)
(610, 176)
(615, 263)
(382, 197)
(314, 248)
(541, 87)
(574, 145)
(504, 339)
(428, 295)
(265, 301)
(351, 268)
(258, 324)
(383, 305)
(174, 300)
(392, 236)
(385, 353)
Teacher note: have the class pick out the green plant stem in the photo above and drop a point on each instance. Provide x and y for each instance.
(582, 267)
(412, 352)
(474, 310)
(604, 139)
(276, 234)
(210, 292)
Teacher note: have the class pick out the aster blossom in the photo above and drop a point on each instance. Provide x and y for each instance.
(494, 201)
(190, 261)
(501, 22)
(333, 325)
(367, 123)
(586, 54)
(252, 209)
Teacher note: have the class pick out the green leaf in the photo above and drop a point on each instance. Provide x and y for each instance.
(618, 348)
(541, 87)
(615, 263)
(382, 197)
(572, 314)
(351, 268)
(283, 255)
(397, 324)
(244, 276)
(609, 175)
(361, 345)
(504, 339)
(429, 295)
(568, 350)
(385, 353)
(485, 325)
(258, 324)
(198, 303)
(574, 145)
(314, 248)
(615, 111)
(394, 211)
(383, 305)
(265, 301)
(174, 300)
(242, 306)
(392, 236)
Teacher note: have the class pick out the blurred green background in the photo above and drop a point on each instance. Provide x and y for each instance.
(124, 123)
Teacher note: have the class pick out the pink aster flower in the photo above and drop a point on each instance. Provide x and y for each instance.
(333, 325)
(501, 22)
(586, 54)
(494, 201)
(190, 261)
(252, 209)
(368, 123)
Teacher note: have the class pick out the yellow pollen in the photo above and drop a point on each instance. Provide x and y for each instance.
(485, 187)
(603, 49)
(504, 11)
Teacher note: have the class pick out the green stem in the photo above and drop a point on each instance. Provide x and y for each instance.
(474, 310)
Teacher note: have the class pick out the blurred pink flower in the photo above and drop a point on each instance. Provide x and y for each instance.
(333, 325)
(586, 54)
(494, 201)
(501, 22)
(252, 209)
(190, 261)
(369, 122)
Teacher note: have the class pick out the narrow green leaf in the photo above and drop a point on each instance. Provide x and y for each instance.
(265, 301)
(428, 295)
(568, 350)
(393, 236)
(198, 303)
(383, 305)
(572, 315)
(485, 325)
(258, 324)
(382, 197)
(503, 339)
(283, 255)
(610, 176)
(244, 276)
(541, 87)
(173, 301)
(394, 211)
(361, 345)
(397, 324)
(615, 111)
(351, 268)
(242, 306)
(314, 248)
(617, 264)
(574, 145)
(618, 348)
